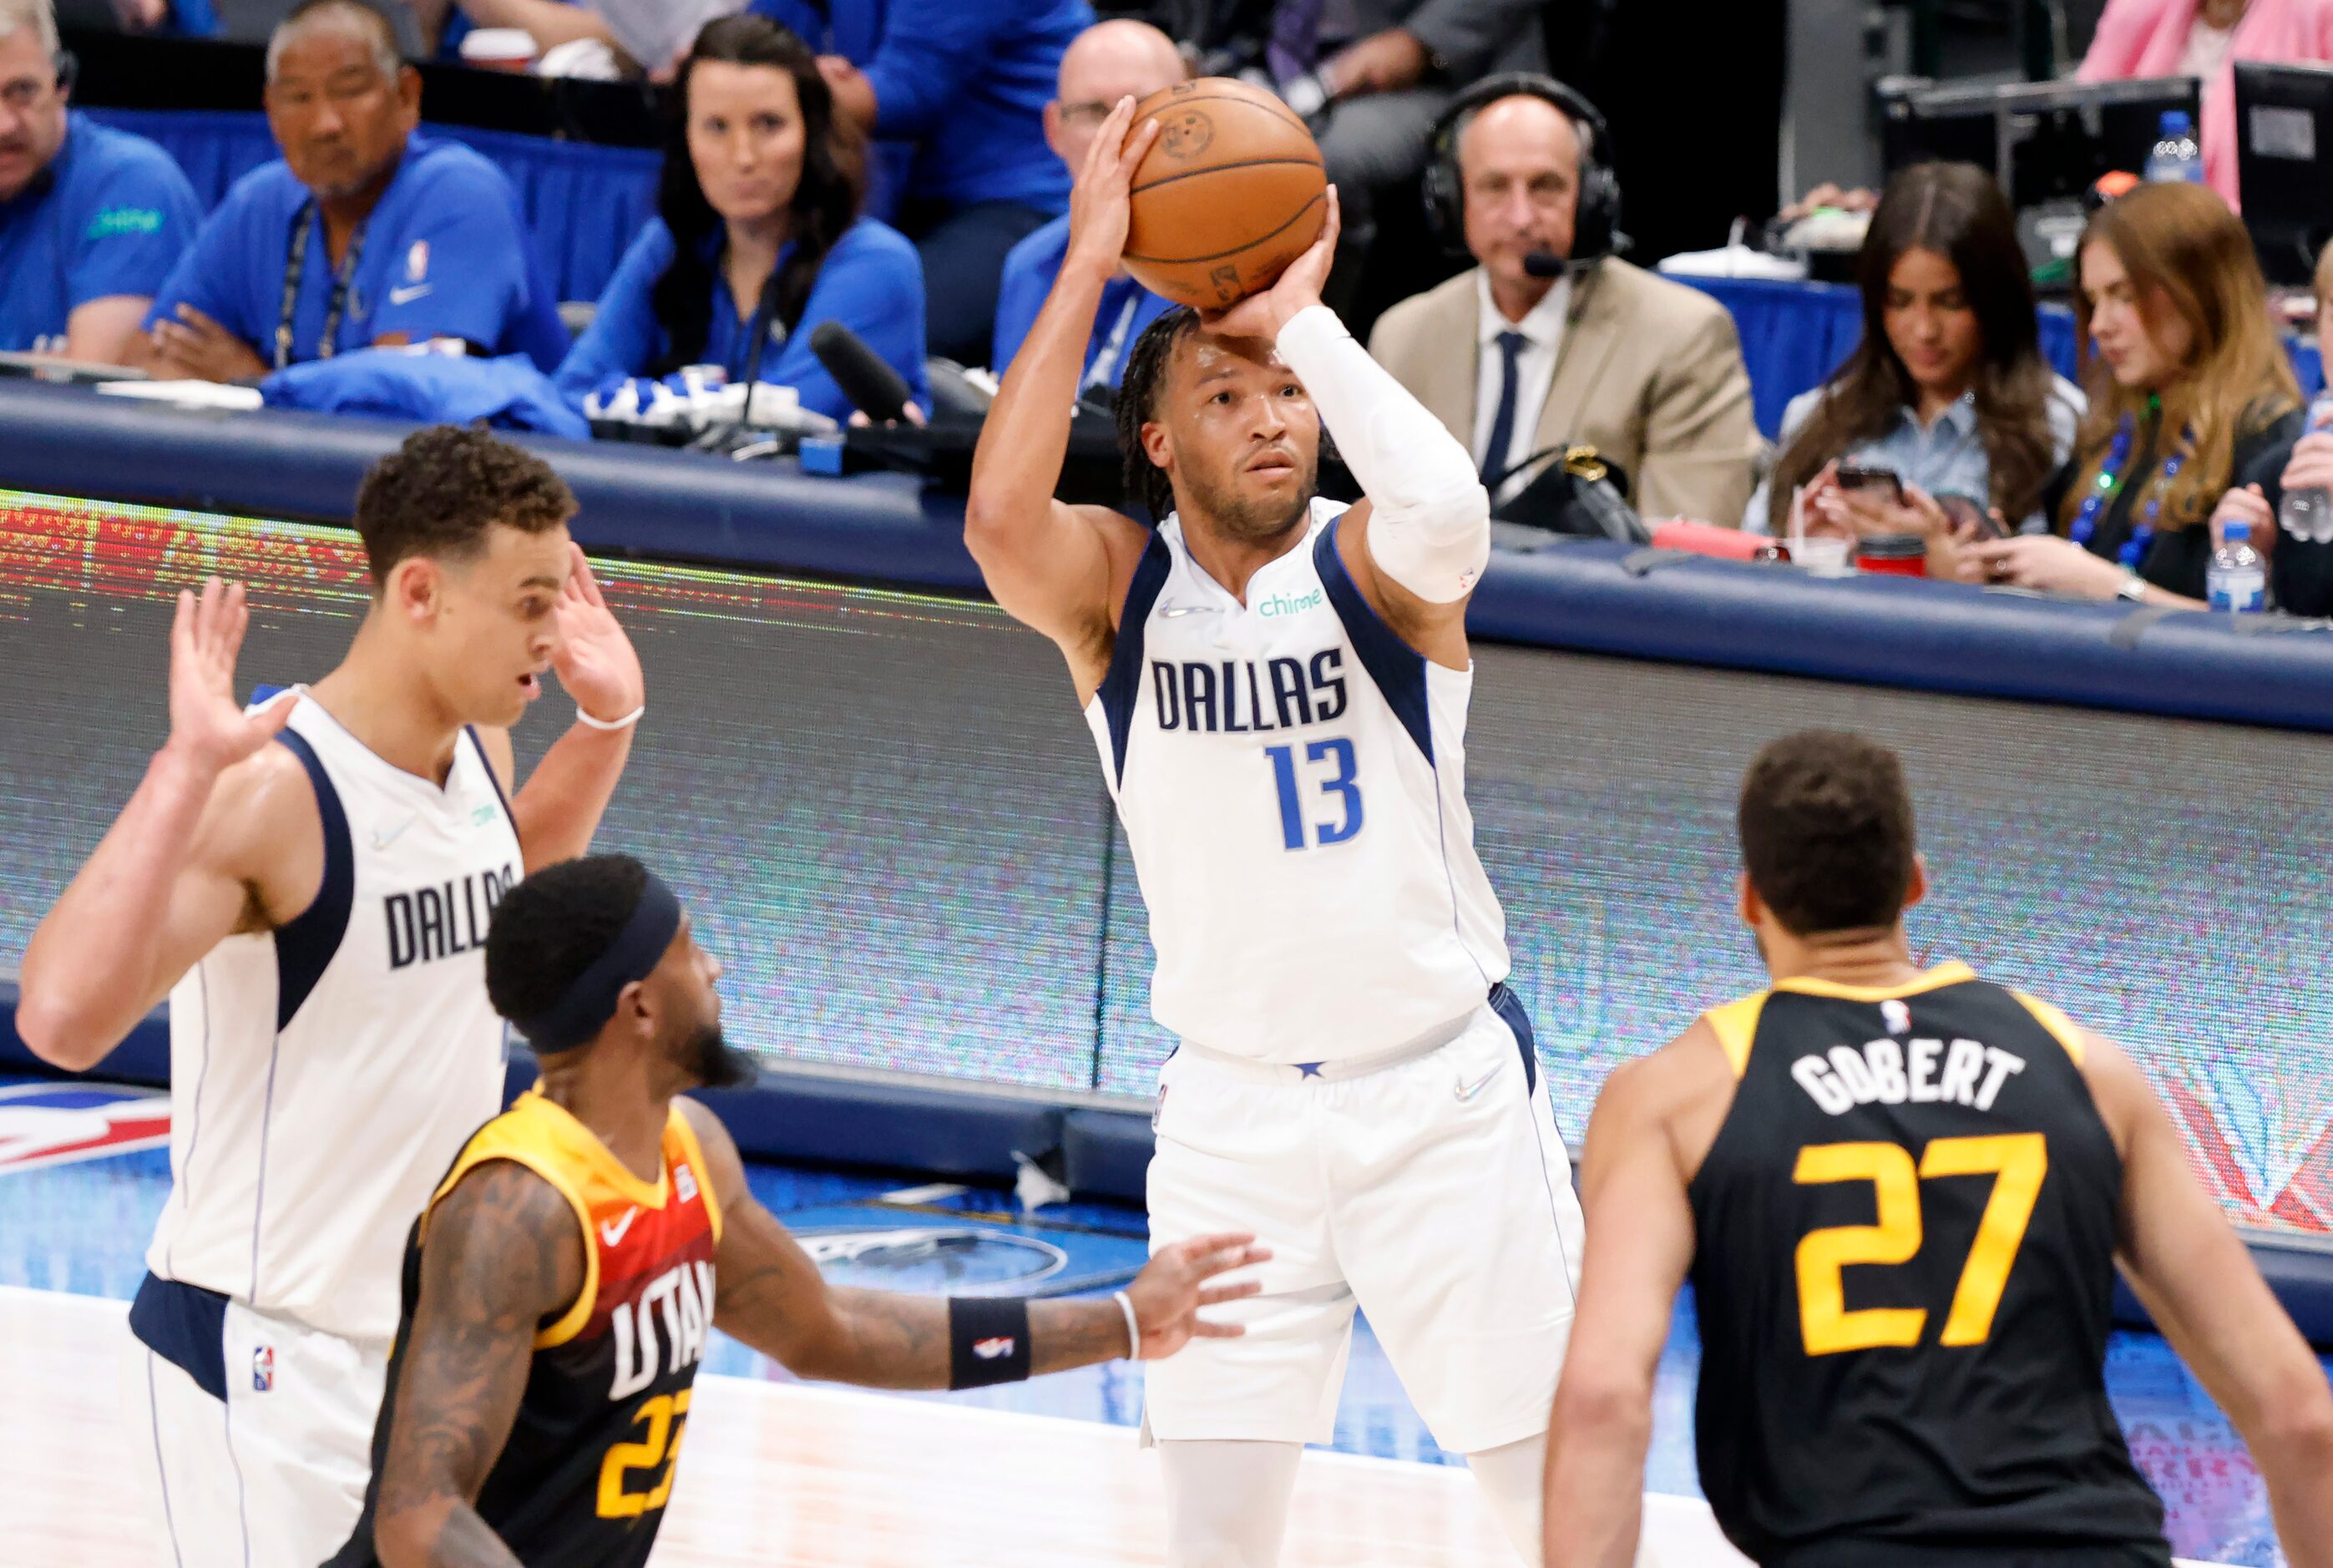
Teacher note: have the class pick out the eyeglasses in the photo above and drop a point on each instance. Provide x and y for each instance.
(25, 94)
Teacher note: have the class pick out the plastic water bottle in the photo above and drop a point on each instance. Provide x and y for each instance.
(2237, 579)
(2176, 156)
(2308, 514)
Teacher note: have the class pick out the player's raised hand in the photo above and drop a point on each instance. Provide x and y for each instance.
(1099, 202)
(596, 662)
(207, 725)
(1263, 315)
(1171, 1289)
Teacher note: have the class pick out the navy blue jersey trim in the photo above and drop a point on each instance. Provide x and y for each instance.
(495, 779)
(1121, 688)
(305, 946)
(185, 1325)
(1399, 670)
(1510, 1009)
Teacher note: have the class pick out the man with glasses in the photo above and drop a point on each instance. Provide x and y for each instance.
(1108, 60)
(365, 233)
(91, 219)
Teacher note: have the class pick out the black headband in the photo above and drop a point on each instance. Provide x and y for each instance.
(584, 1008)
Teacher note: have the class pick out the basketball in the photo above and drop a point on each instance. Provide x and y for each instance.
(1231, 192)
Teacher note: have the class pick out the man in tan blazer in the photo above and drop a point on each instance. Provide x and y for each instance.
(1647, 371)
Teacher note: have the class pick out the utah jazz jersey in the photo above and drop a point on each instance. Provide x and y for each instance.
(321, 1075)
(583, 1480)
(1904, 1277)
(1293, 779)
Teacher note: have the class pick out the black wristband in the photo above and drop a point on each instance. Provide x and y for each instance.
(988, 1341)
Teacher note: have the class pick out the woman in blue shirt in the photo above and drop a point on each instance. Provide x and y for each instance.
(1948, 388)
(758, 232)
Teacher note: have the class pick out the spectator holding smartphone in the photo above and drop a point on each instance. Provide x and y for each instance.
(2191, 396)
(2302, 570)
(1948, 392)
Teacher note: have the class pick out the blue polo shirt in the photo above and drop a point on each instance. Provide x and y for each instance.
(969, 80)
(872, 282)
(109, 215)
(1031, 269)
(445, 255)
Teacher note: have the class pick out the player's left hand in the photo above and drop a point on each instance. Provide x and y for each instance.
(595, 661)
(1171, 1289)
(1262, 315)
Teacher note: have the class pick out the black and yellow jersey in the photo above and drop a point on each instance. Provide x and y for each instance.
(589, 1465)
(1904, 1277)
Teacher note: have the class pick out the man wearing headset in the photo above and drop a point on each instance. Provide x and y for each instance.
(91, 219)
(1552, 340)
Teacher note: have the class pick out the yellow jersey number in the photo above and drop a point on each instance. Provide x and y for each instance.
(666, 1419)
(2017, 1161)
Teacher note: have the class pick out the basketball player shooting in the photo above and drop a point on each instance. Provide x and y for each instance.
(309, 883)
(559, 1286)
(1901, 1195)
(1277, 687)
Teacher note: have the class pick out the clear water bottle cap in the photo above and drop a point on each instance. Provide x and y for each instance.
(2175, 122)
(2235, 531)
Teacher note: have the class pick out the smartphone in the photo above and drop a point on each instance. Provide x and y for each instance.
(1965, 509)
(1857, 477)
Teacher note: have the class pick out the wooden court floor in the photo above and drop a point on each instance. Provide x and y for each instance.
(787, 1474)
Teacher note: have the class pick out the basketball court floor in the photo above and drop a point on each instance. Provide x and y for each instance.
(777, 1471)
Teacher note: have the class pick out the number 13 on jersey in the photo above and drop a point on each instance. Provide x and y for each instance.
(1330, 764)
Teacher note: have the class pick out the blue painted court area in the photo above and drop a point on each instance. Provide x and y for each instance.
(79, 1197)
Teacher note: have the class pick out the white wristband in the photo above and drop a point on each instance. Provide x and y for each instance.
(1133, 1328)
(626, 722)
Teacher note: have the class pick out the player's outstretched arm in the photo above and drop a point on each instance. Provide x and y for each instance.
(1048, 565)
(210, 844)
(2189, 1267)
(560, 809)
(503, 1252)
(1418, 546)
(772, 1297)
(1639, 1247)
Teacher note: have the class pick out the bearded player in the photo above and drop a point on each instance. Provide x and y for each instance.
(1277, 686)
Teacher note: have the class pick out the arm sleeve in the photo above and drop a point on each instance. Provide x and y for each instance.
(1462, 33)
(930, 49)
(476, 282)
(876, 290)
(1430, 523)
(221, 274)
(1701, 433)
(624, 338)
(134, 234)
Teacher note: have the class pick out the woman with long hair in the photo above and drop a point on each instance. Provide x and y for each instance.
(1948, 390)
(757, 238)
(2191, 397)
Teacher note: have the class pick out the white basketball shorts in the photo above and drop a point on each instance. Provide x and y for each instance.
(1435, 1194)
(252, 1435)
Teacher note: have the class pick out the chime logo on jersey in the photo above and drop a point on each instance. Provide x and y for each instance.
(45, 1124)
(681, 1299)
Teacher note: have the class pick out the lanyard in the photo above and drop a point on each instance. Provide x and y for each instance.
(295, 269)
(1106, 361)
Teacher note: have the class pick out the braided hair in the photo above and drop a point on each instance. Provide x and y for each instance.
(1138, 405)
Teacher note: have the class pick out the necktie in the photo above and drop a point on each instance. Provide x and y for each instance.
(1295, 41)
(1502, 427)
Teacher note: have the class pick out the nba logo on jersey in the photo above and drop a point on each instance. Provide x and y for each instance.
(684, 1182)
(1897, 1016)
(262, 1369)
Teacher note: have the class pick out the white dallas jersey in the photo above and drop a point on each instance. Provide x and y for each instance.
(1292, 776)
(323, 1075)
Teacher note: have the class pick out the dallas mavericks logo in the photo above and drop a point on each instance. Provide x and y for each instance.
(957, 1260)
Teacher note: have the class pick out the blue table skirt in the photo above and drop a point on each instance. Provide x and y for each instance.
(583, 203)
(1795, 334)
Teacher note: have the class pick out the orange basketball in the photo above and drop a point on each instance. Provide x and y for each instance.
(1231, 192)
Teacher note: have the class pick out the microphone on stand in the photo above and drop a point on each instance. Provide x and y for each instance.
(873, 387)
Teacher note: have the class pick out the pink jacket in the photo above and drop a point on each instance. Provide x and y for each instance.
(2138, 38)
